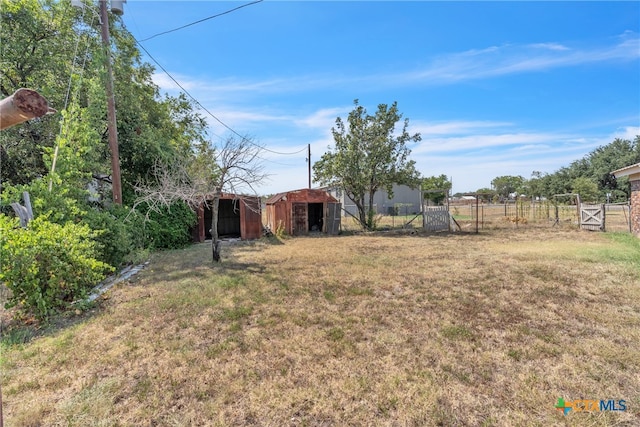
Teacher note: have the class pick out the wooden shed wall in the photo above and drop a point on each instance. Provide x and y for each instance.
(280, 209)
(248, 210)
(250, 219)
(279, 215)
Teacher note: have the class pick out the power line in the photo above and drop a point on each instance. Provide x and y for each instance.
(201, 20)
(209, 112)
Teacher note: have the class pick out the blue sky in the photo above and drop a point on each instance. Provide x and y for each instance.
(494, 88)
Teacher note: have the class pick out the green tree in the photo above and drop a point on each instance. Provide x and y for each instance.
(558, 182)
(486, 194)
(52, 47)
(436, 188)
(596, 167)
(603, 160)
(37, 42)
(586, 188)
(39, 39)
(534, 187)
(506, 185)
(367, 157)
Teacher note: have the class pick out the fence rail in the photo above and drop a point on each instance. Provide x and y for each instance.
(504, 214)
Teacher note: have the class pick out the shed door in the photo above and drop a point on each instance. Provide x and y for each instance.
(333, 218)
(299, 219)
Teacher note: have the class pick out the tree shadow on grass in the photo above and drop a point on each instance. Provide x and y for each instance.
(23, 330)
(191, 263)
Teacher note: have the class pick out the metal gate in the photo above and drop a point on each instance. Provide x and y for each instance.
(436, 218)
(592, 217)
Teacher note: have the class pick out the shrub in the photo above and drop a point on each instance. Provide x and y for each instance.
(171, 227)
(47, 266)
(59, 206)
(115, 235)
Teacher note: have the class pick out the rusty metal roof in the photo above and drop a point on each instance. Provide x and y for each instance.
(304, 194)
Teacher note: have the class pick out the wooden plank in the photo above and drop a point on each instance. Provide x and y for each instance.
(437, 218)
(592, 217)
(299, 219)
(333, 218)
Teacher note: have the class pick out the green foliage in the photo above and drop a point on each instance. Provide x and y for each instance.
(506, 185)
(78, 153)
(115, 234)
(47, 266)
(586, 188)
(596, 167)
(64, 204)
(170, 227)
(600, 162)
(372, 219)
(368, 157)
(487, 195)
(38, 41)
(432, 185)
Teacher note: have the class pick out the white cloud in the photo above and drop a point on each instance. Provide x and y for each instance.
(475, 142)
(475, 64)
(509, 59)
(475, 152)
(472, 151)
(454, 127)
(168, 85)
(324, 118)
(628, 133)
(549, 46)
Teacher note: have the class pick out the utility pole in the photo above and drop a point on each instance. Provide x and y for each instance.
(111, 107)
(309, 159)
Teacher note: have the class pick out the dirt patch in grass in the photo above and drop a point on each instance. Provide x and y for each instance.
(383, 329)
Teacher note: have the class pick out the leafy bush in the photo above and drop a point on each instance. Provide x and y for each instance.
(62, 205)
(114, 235)
(47, 265)
(171, 227)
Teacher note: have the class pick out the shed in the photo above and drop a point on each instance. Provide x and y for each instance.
(239, 216)
(633, 172)
(302, 211)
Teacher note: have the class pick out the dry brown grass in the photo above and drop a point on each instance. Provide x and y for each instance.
(380, 329)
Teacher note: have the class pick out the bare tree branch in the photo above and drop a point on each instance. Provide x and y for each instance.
(235, 168)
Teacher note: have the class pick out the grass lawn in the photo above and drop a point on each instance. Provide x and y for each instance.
(384, 329)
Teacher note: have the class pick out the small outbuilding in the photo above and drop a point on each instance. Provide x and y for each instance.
(633, 172)
(238, 217)
(300, 212)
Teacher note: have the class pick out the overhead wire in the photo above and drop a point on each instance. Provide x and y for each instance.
(139, 43)
(201, 20)
(209, 112)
